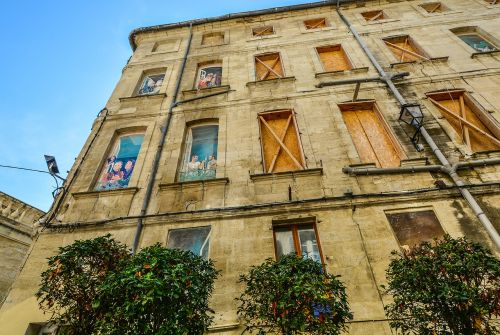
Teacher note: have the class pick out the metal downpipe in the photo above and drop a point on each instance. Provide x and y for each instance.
(483, 218)
(164, 131)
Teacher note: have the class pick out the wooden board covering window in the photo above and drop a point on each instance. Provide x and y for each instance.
(374, 15)
(280, 141)
(268, 66)
(371, 135)
(412, 228)
(315, 23)
(334, 58)
(474, 127)
(405, 49)
(434, 7)
(213, 39)
(263, 31)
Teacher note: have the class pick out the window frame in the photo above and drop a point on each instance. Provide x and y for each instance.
(379, 12)
(475, 30)
(255, 57)
(342, 49)
(264, 28)
(143, 79)
(294, 226)
(441, 6)
(208, 238)
(204, 65)
(309, 25)
(421, 54)
(222, 34)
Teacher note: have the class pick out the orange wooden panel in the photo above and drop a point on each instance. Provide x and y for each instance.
(263, 31)
(478, 142)
(404, 56)
(334, 58)
(272, 61)
(359, 137)
(374, 15)
(315, 23)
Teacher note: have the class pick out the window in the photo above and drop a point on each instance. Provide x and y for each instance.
(164, 46)
(213, 39)
(492, 2)
(412, 228)
(434, 7)
(120, 164)
(405, 49)
(196, 240)
(474, 127)
(371, 135)
(263, 31)
(315, 23)
(334, 58)
(476, 38)
(200, 154)
(299, 239)
(374, 15)
(280, 141)
(151, 84)
(268, 67)
(209, 75)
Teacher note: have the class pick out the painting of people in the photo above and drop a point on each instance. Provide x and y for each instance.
(200, 158)
(209, 77)
(119, 166)
(151, 84)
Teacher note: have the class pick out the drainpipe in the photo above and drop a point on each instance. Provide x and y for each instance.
(163, 136)
(448, 168)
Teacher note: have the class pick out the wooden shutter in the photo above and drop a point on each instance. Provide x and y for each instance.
(374, 15)
(474, 128)
(268, 66)
(405, 49)
(263, 31)
(370, 134)
(281, 148)
(315, 23)
(334, 58)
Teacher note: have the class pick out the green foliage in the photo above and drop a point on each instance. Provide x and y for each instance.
(449, 287)
(293, 296)
(69, 285)
(160, 291)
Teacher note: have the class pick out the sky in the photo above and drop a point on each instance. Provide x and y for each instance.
(59, 62)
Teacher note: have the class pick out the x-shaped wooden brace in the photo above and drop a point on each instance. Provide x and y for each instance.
(280, 142)
(314, 26)
(263, 31)
(374, 17)
(438, 6)
(269, 68)
(405, 50)
(463, 120)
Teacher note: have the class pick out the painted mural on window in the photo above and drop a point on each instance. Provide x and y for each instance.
(151, 84)
(200, 157)
(477, 42)
(196, 240)
(121, 163)
(209, 77)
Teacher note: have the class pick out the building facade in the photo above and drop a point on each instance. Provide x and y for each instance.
(246, 136)
(17, 222)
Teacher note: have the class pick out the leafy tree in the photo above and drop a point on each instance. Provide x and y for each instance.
(69, 285)
(293, 295)
(160, 291)
(451, 286)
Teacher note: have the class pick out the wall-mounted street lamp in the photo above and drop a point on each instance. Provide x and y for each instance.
(412, 115)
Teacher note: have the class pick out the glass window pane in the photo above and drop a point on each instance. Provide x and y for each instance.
(209, 77)
(196, 240)
(121, 163)
(477, 42)
(308, 243)
(200, 162)
(151, 84)
(284, 241)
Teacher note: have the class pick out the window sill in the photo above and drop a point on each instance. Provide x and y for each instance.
(195, 183)
(486, 154)
(145, 96)
(380, 21)
(260, 38)
(306, 31)
(478, 54)
(286, 174)
(423, 161)
(341, 72)
(96, 194)
(218, 328)
(431, 60)
(270, 81)
(205, 91)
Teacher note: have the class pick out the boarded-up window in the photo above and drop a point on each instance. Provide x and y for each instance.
(374, 15)
(412, 228)
(268, 66)
(281, 148)
(434, 7)
(475, 128)
(263, 31)
(371, 135)
(196, 240)
(334, 58)
(299, 239)
(405, 49)
(315, 23)
(492, 2)
(213, 39)
(164, 46)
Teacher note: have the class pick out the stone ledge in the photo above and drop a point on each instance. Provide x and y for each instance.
(363, 166)
(194, 183)
(270, 81)
(218, 328)
(205, 91)
(143, 97)
(478, 54)
(419, 161)
(286, 174)
(96, 194)
(342, 72)
(433, 59)
(486, 154)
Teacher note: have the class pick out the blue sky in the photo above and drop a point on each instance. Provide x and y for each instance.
(59, 62)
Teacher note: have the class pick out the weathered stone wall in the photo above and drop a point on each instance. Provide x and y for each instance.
(241, 204)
